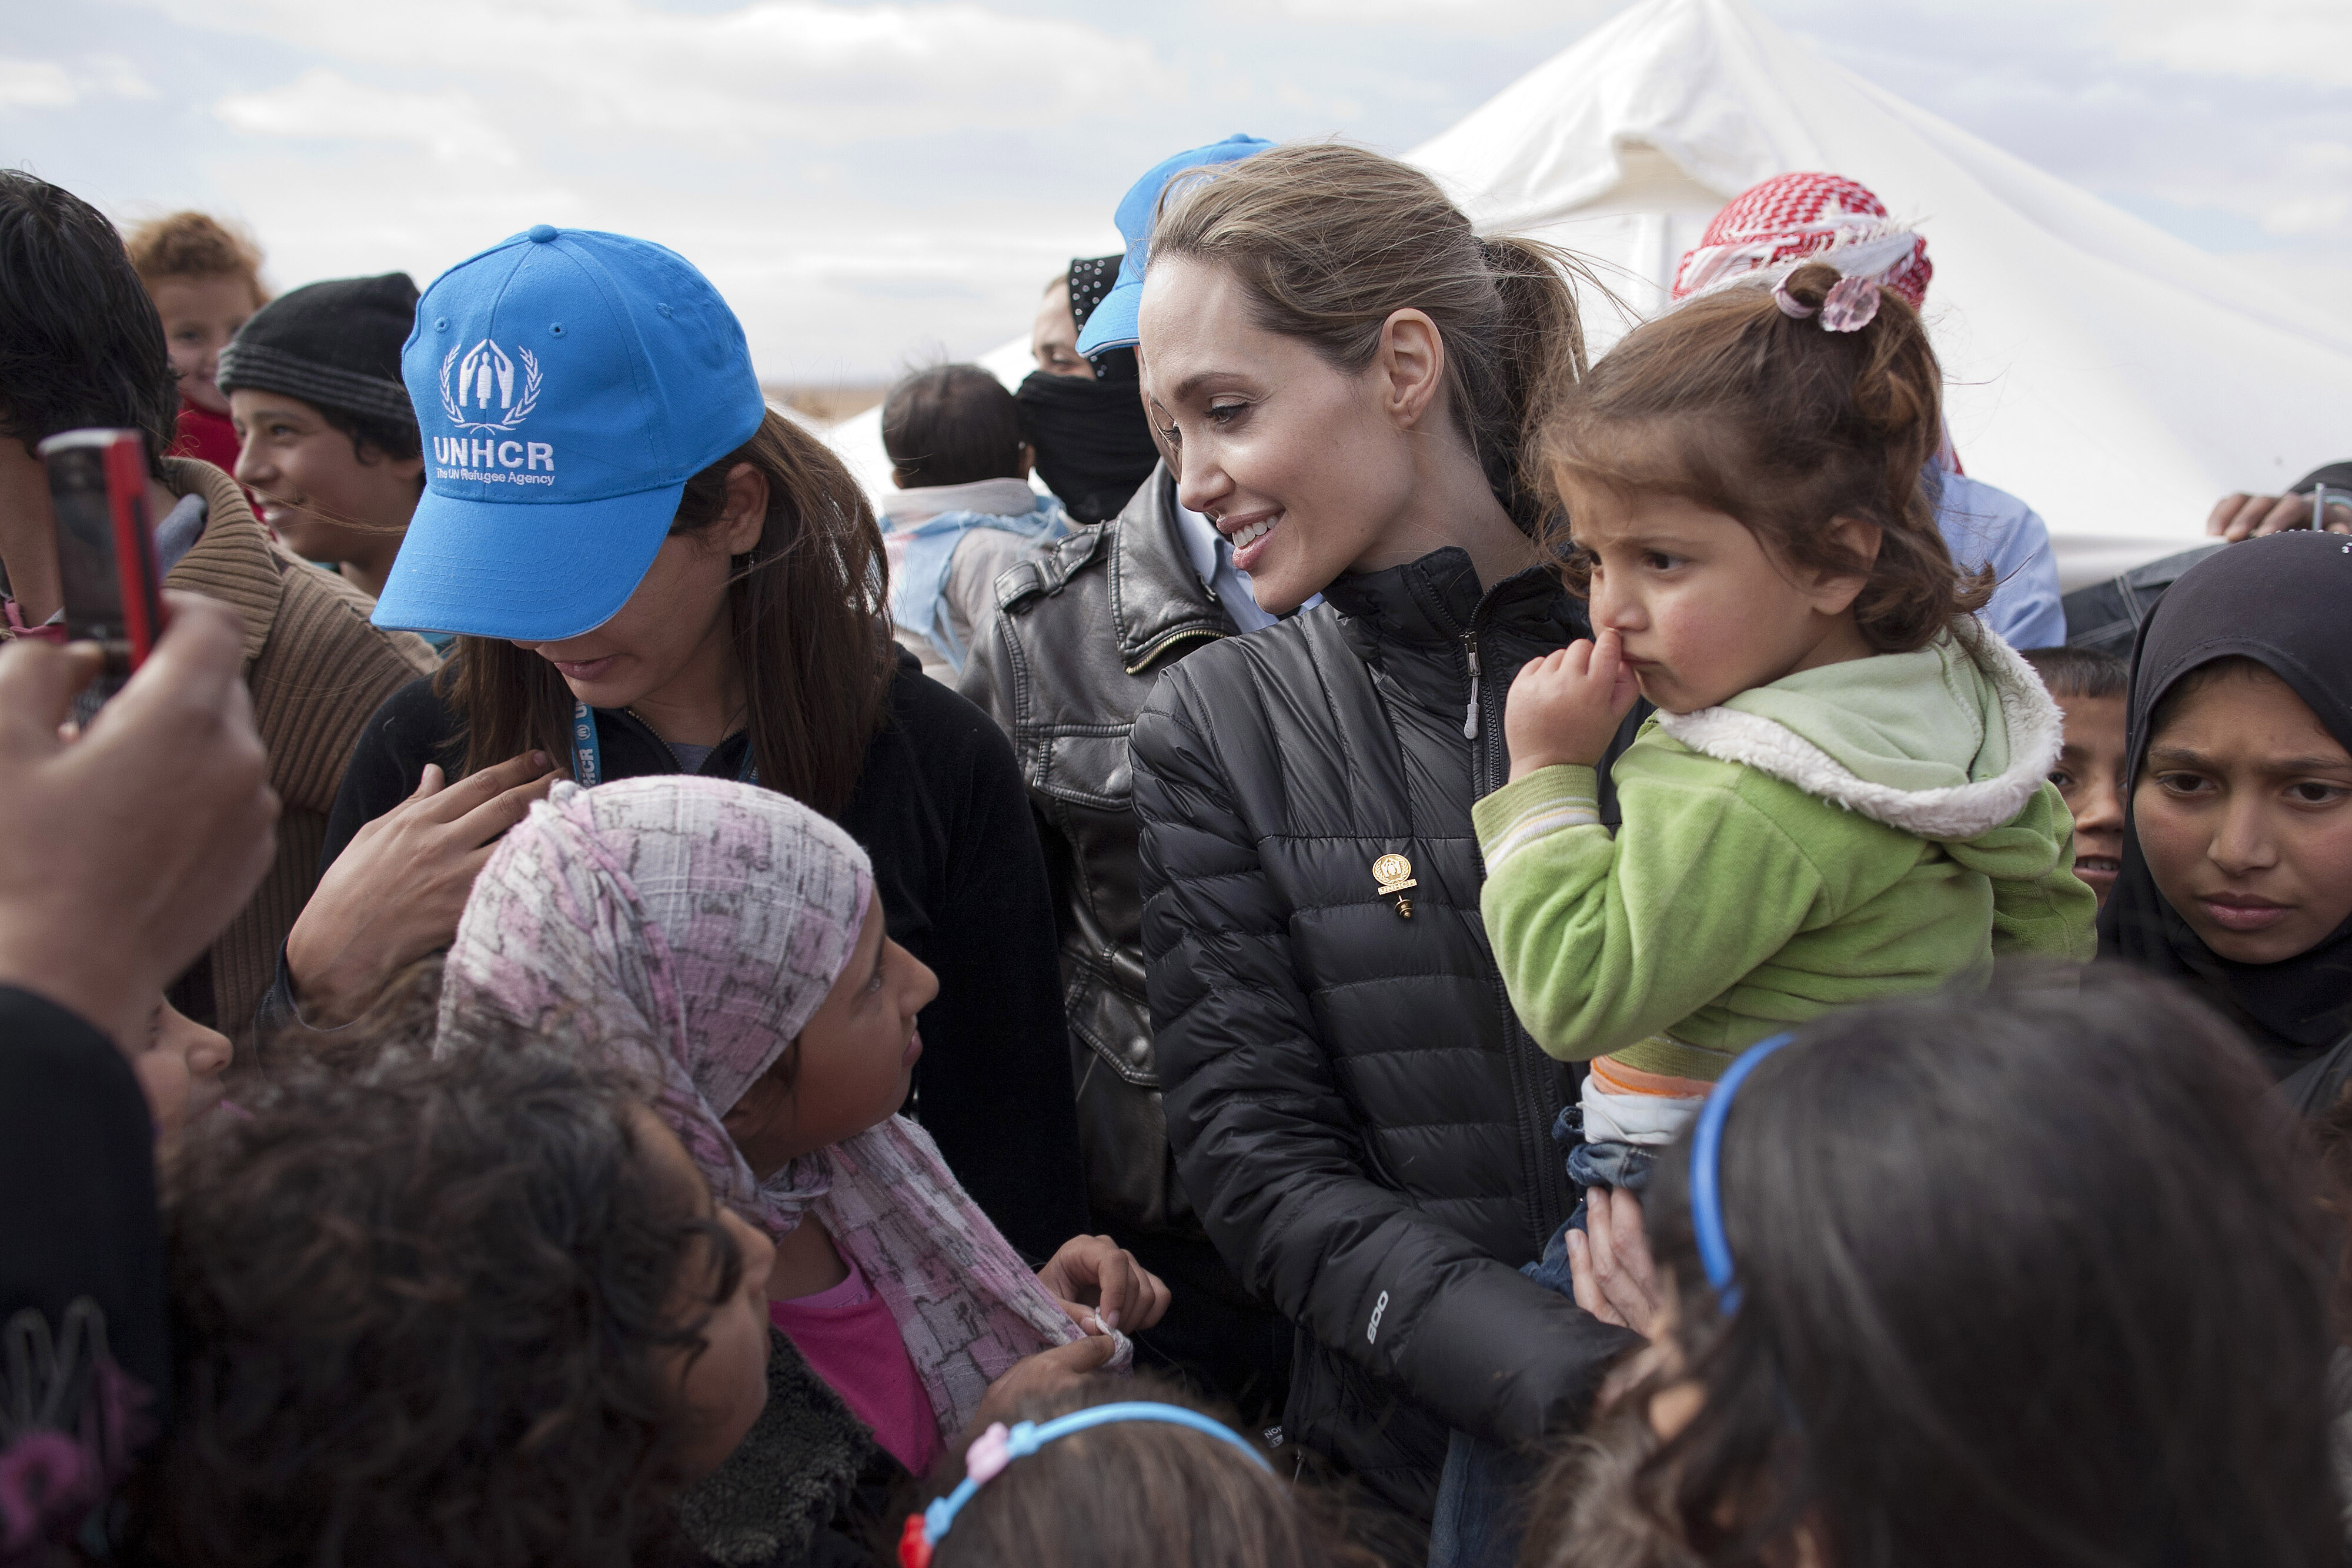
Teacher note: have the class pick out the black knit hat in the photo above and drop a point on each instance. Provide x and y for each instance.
(336, 344)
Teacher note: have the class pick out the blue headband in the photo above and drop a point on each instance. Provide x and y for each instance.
(996, 1448)
(1707, 1154)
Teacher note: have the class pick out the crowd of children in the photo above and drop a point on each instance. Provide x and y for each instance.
(1592, 896)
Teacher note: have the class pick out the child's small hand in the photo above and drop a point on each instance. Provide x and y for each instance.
(1035, 1377)
(1565, 706)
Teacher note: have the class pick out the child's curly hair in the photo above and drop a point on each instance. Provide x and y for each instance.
(195, 244)
(421, 1309)
(1772, 420)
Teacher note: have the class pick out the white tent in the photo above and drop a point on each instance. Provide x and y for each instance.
(2118, 379)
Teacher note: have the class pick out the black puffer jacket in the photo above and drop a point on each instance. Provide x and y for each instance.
(1362, 1124)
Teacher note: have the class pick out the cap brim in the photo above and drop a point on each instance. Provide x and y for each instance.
(532, 572)
(1113, 324)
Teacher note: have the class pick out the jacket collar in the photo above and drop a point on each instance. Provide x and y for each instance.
(234, 560)
(1157, 599)
(1437, 600)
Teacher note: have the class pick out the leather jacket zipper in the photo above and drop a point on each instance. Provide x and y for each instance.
(1144, 660)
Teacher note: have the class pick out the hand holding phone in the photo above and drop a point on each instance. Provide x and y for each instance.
(106, 546)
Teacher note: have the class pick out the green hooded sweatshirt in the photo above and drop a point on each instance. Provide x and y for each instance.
(1858, 831)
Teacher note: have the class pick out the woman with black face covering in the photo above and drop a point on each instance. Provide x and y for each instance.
(1093, 442)
(2237, 864)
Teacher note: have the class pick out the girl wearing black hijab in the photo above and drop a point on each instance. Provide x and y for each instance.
(2237, 864)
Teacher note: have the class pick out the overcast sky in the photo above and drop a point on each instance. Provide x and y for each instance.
(873, 184)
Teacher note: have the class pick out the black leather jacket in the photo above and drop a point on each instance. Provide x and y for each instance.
(1088, 625)
(1361, 1119)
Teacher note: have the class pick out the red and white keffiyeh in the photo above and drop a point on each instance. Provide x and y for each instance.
(1789, 219)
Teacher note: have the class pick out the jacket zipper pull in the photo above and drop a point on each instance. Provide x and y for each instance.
(1470, 718)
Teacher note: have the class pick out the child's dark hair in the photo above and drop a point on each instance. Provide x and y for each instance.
(2029, 1276)
(1776, 421)
(951, 424)
(2079, 672)
(1138, 1492)
(84, 345)
(424, 1308)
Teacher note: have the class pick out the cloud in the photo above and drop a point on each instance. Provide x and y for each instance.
(45, 84)
(2309, 40)
(2234, 143)
(1489, 18)
(321, 103)
(775, 66)
(35, 84)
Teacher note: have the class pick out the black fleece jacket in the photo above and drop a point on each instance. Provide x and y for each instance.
(940, 808)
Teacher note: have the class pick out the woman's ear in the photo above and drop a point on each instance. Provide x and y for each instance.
(1834, 592)
(745, 517)
(1412, 362)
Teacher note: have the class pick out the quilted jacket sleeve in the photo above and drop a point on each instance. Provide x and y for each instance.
(1270, 1150)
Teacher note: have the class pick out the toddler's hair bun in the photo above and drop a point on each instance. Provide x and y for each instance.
(1810, 284)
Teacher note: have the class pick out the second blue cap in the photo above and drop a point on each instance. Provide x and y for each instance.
(1112, 326)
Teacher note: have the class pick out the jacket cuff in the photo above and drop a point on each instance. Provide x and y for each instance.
(1547, 801)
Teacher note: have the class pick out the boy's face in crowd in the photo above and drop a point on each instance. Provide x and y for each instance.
(2090, 776)
(180, 1071)
(1053, 337)
(199, 316)
(325, 500)
(1706, 610)
(2243, 810)
(723, 1382)
(1298, 462)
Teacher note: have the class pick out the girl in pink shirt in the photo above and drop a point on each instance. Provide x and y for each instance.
(728, 943)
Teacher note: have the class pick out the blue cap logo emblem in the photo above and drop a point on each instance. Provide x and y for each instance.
(485, 380)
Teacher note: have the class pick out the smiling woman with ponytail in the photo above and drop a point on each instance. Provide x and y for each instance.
(1345, 378)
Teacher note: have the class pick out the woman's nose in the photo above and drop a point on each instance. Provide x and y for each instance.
(1201, 486)
(2242, 840)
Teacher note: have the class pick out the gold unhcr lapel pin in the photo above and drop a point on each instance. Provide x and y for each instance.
(1394, 874)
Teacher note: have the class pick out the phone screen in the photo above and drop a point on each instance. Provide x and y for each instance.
(86, 552)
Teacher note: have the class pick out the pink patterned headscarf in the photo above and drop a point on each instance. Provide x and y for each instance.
(695, 925)
(1777, 225)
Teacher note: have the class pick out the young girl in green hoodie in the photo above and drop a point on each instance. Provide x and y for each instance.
(1844, 795)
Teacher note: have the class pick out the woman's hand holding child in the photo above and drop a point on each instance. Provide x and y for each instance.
(1609, 1260)
(1565, 707)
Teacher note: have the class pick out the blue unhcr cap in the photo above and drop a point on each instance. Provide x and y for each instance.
(1112, 326)
(568, 383)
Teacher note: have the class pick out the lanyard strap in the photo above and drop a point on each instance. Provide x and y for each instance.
(588, 752)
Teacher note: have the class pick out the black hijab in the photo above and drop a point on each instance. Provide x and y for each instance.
(2283, 601)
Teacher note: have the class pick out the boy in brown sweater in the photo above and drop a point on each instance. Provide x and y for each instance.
(86, 347)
